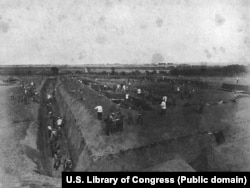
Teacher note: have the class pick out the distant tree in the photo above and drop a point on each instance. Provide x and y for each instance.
(174, 72)
(112, 70)
(203, 69)
(104, 73)
(29, 72)
(154, 72)
(123, 73)
(163, 72)
(79, 72)
(137, 72)
(55, 70)
(67, 72)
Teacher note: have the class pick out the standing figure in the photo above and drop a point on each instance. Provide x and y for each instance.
(140, 117)
(99, 111)
(138, 91)
(108, 122)
(57, 159)
(126, 96)
(163, 108)
(130, 116)
(67, 166)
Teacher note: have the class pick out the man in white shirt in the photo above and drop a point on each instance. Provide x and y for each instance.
(59, 121)
(163, 108)
(127, 96)
(124, 88)
(99, 112)
(178, 89)
(49, 130)
(49, 97)
(139, 92)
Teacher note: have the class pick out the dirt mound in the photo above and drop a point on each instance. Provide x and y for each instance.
(19, 154)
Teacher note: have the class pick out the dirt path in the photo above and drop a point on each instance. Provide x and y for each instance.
(8, 148)
(19, 164)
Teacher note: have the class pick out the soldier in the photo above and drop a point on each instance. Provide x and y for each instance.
(105, 87)
(53, 136)
(127, 96)
(130, 116)
(118, 86)
(54, 93)
(120, 122)
(67, 166)
(49, 108)
(49, 97)
(99, 111)
(50, 113)
(124, 88)
(108, 122)
(140, 117)
(25, 96)
(54, 147)
(49, 130)
(59, 121)
(57, 159)
(112, 123)
(138, 92)
(178, 89)
(163, 108)
(59, 131)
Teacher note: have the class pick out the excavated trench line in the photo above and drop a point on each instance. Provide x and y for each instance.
(134, 159)
(47, 162)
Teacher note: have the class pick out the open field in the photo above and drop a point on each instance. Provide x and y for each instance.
(186, 138)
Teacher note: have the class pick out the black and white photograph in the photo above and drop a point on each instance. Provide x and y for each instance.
(122, 86)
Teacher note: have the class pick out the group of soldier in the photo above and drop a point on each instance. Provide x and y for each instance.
(28, 91)
(114, 122)
(55, 133)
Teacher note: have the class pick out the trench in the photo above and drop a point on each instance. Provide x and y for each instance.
(46, 155)
(74, 143)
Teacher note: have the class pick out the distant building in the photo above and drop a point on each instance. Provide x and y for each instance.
(162, 64)
(166, 65)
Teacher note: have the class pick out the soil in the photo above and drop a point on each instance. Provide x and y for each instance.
(26, 159)
(20, 158)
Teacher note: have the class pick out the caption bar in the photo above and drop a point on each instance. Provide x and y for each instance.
(78, 179)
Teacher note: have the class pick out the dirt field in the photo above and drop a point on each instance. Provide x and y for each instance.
(19, 165)
(180, 122)
(215, 140)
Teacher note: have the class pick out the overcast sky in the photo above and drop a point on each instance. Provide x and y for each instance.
(124, 31)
